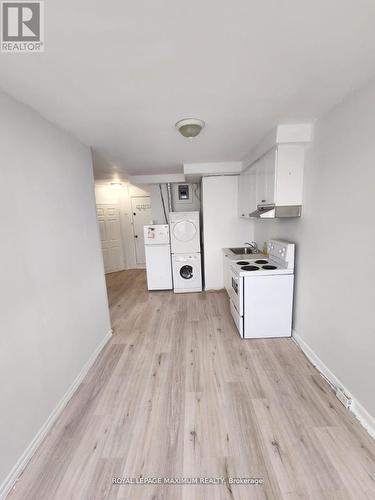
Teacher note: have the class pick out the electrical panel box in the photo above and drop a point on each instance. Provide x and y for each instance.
(182, 194)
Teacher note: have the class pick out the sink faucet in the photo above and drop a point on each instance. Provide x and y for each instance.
(253, 246)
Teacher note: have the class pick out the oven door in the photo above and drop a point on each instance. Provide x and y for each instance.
(236, 291)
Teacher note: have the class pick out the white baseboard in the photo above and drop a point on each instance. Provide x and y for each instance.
(367, 420)
(11, 479)
(363, 416)
(317, 362)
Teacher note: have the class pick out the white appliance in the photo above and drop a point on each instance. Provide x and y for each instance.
(186, 247)
(185, 235)
(158, 257)
(187, 276)
(261, 293)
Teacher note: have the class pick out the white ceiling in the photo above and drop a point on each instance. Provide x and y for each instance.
(119, 74)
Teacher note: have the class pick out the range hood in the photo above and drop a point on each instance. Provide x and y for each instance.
(269, 211)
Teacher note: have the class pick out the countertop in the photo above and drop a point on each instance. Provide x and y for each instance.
(243, 256)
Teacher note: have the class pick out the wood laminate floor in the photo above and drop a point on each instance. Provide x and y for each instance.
(176, 393)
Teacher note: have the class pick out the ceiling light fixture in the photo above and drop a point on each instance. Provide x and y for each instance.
(190, 127)
(116, 185)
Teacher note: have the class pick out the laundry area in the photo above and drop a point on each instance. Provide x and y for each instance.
(182, 242)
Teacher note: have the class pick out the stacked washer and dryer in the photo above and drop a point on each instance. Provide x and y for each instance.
(186, 251)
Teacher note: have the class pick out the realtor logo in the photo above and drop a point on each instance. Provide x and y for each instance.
(22, 26)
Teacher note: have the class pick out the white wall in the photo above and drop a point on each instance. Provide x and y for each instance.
(105, 194)
(158, 215)
(53, 304)
(194, 203)
(157, 205)
(335, 292)
(222, 227)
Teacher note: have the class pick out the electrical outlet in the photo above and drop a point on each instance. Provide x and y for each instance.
(345, 399)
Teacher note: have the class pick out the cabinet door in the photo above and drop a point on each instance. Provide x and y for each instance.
(270, 175)
(260, 168)
(252, 196)
(265, 178)
(246, 192)
(242, 194)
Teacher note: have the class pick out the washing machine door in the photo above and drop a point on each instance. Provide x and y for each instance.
(187, 272)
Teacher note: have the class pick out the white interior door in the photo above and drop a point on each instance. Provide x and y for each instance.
(110, 235)
(141, 209)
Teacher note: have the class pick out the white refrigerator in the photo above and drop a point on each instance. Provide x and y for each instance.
(158, 257)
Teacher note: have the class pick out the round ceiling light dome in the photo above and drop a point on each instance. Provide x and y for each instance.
(190, 127)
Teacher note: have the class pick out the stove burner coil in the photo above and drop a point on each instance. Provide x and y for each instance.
(250, 268)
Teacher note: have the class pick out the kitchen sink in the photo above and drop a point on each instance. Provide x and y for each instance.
(242, 250)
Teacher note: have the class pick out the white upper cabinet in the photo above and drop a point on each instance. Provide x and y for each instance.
(265, 178)
(276, 178)
(247, 192)
(243, 193)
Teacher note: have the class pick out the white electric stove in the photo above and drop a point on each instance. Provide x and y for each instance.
(261, 293)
